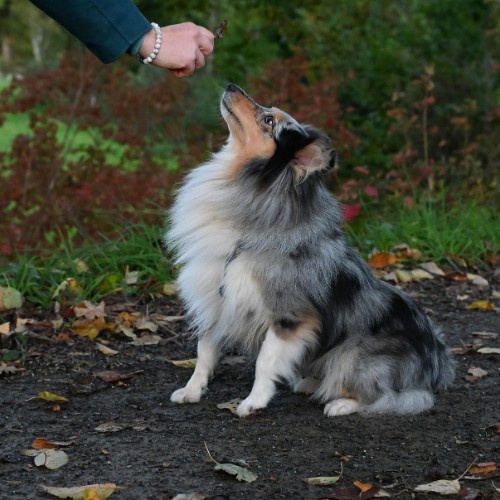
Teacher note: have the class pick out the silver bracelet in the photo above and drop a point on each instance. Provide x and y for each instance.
(149, 59)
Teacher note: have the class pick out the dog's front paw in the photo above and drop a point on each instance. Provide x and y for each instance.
(249, 406)
(186, 395)
(341, 407)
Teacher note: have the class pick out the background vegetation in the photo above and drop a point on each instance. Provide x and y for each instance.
(409, 91)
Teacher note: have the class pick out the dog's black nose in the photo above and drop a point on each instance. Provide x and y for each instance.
(231, 87)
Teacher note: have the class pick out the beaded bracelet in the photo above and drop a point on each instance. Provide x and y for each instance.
(149, 59)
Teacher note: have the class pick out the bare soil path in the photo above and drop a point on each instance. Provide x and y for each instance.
(159, 450)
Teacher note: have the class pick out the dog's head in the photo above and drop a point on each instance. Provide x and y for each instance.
(269, 143)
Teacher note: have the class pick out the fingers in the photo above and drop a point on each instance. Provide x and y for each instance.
(185, 48)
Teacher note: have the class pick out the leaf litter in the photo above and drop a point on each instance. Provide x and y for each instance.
(241, 473)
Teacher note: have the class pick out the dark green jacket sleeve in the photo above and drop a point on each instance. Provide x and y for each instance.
(107, 27)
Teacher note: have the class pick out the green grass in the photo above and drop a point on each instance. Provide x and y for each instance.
(98, 269)
(467, 230)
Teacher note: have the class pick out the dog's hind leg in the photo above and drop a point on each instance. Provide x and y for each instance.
(208, 355)
(277, 359)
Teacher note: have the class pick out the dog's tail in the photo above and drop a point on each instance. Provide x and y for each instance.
(400, 403)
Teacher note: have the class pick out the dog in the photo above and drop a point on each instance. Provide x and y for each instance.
(264, 266)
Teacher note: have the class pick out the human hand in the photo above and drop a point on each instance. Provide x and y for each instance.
(183, 50)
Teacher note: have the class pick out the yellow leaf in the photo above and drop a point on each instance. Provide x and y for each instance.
(484, 305)
(184, 363)
(77, 492)
(5, 328)
(49, 396)
(91, 329)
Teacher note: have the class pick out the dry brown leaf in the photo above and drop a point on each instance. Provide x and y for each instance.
(475, 373)
(90, 311)
(111, 427)
(10, 368)
(404, 251)
(147, 340)
(5, 328)
(486, 335)
(111, 376)
(482, 470)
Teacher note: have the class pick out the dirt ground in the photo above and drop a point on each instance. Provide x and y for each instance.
(159, 450)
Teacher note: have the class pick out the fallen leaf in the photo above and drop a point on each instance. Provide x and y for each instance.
(489, 350)
(403, 276)
(183, 363)
(81, 266)
(103, 491)
(190, 496)
(480, 281)
(404, 251)
(111, 427)
(10, 298)
(5, 328)
(131, 277)
(147, 340)
(113, 376)
(381, 260)
(482, 470)
(93, 328)
(475, 373)
(363, 487)
(40, 443)
(441, 487)
(169, 289)
(483, 305)
(90, 311)
(456, 276)
(106, 350)
(351, 493)
(420, 274)
(432, 267)
(486, 335)
(49, 396)
(230, 405)
(321, 480)
(10, 369)
(142, 323)
(51, 459)
(241, 473)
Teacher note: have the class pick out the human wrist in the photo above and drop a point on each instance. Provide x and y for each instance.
(150, 46)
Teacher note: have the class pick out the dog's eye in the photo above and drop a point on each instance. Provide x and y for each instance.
(269, 120)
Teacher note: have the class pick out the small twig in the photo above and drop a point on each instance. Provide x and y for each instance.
(468, 467)
(210, 456)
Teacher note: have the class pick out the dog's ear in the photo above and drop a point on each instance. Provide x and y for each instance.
(318, 156)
